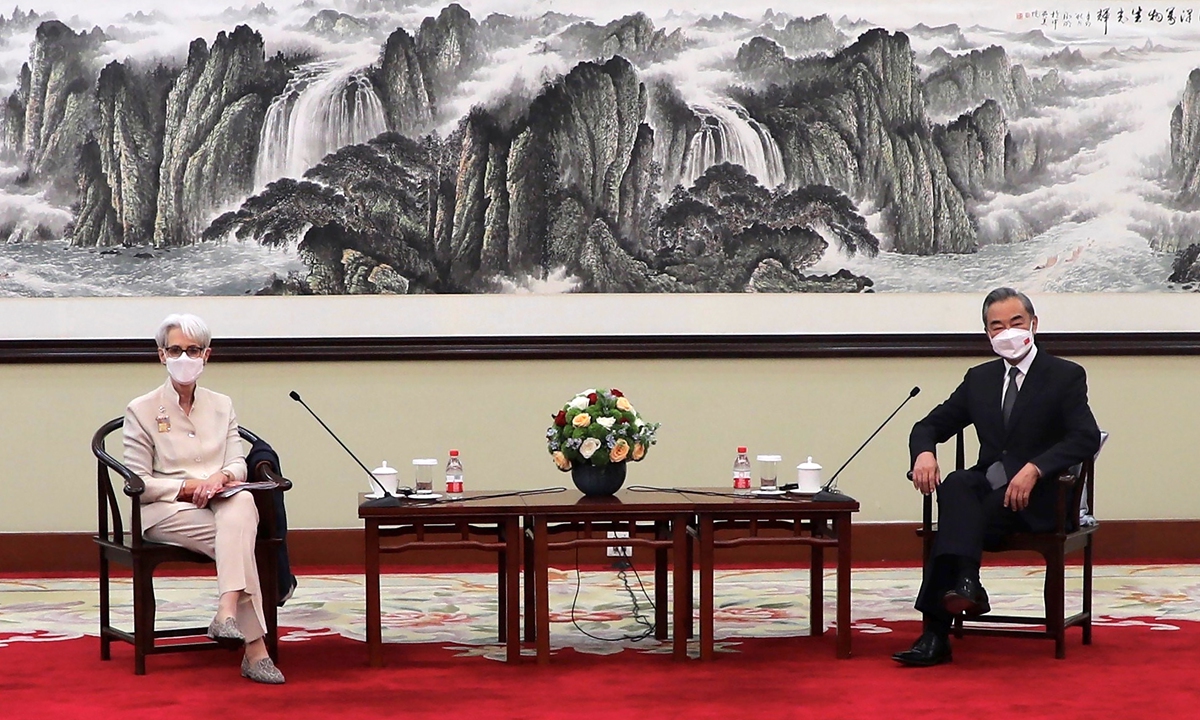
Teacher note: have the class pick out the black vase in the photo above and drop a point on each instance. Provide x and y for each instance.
(598, 480)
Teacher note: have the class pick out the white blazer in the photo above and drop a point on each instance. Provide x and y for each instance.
(165, 446)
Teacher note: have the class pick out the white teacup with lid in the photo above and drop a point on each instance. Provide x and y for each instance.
(808, 477)
(387, 477)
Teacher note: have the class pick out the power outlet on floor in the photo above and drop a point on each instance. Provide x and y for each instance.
(621, 551)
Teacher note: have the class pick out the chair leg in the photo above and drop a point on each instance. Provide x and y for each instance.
(105, 614)
(143, 616)
(1087, 592)
(1055, 592)
(957, 626)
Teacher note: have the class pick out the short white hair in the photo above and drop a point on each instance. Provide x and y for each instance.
(190, 325)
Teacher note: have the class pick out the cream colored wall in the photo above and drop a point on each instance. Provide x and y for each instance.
(496, 413)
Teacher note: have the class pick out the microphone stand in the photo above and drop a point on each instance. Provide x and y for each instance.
(386, 499)
(829, 492)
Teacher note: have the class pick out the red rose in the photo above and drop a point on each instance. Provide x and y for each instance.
(561, 418)
(622, 420)
(592, 399)
(617, 393)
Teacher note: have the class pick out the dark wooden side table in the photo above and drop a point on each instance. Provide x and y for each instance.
(667, 514)
(478, 521)
(818, 525)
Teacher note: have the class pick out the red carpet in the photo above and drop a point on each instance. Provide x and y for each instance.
(1130, 672)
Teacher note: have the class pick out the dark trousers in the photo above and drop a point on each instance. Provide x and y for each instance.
(971, 518)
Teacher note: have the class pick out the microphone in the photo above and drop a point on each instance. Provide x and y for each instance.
(387, 499)
(829, 492)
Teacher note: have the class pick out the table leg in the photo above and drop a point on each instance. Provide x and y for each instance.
(541, 572)
(530, 582)
(690, 564)
(660, 582)
(706, 587)
(816, 591)
(680, 606)
(843, 584)
(512, 572)
(374, 621)
(502, 583)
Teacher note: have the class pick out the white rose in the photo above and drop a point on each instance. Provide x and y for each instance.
(579, 403)
(587, 392)
(639, 422)
(607, 422)
(589, 447)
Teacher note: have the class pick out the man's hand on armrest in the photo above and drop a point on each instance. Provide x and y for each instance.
(925, 473)
(1016, 497)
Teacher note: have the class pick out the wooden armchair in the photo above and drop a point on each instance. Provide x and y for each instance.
(1068, 537)
(143, 556)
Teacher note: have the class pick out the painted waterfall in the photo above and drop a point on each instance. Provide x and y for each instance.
(150, 147)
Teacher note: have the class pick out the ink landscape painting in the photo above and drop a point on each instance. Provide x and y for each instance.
(328, 147)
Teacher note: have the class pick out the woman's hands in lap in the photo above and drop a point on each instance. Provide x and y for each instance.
(199, 492)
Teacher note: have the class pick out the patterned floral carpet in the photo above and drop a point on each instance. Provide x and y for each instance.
(458, 610)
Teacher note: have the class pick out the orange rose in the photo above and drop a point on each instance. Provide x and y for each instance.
(561, 461)
(619, 451)
(582, 420)
(623, 405)
(639, 451)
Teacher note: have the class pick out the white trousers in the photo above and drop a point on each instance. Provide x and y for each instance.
(225, 531)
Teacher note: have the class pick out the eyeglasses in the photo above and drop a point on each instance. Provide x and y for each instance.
(193, 351)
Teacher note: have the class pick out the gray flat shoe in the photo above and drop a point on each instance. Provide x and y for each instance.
(262, 671)
(226, 632)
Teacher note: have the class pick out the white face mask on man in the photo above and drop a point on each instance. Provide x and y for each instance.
(184, 370)
(1013, 343)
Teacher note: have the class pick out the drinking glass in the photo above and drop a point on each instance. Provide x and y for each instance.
(768, 472)
(423, 469)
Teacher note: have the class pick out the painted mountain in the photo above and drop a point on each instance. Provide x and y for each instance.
(372, 146)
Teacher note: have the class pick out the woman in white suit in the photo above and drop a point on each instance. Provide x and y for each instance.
(182, 440)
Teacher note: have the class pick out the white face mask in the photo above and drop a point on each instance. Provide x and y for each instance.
(184, 370)
(1013, 343)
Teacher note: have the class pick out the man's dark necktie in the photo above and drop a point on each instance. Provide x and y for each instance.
(1010, 394)
(996, 474)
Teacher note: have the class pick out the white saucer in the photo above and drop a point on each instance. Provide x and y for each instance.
(373, 496)
(761, 491)
(804, 492)
(423, 496)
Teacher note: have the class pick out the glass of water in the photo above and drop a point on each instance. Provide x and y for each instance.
(423, 470)
(768, 472)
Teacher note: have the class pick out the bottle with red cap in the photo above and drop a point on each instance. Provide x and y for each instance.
(741, 472)
(454, 474)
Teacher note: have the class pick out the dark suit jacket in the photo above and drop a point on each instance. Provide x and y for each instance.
(1051, 425)
(261, 451)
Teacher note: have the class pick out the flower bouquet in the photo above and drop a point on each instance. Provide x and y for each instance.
(595, 434)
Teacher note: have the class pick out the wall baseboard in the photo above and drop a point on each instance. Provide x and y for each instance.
(1117, 541)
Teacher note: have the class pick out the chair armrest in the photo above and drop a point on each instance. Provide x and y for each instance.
(263, 472)
(134, 486)
(1068, 494)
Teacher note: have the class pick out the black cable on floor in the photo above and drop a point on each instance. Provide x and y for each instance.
(638, 616)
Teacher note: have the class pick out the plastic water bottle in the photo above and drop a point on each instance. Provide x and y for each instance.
(454, 473)
(741, 472)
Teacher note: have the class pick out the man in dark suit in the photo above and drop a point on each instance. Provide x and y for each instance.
(1031, 414)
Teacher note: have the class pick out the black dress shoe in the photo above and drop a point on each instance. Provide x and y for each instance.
(930, 649)
(968, 597)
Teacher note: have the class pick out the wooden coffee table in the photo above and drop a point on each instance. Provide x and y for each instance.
(478, 522)
(819, 525)
(592, 517)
